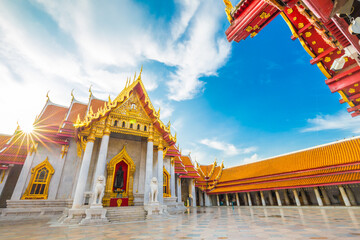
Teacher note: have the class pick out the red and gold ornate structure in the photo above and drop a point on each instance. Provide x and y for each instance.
(321, 26)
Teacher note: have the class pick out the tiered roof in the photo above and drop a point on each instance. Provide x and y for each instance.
(330, 164)
(209, 176)
(323, 35)
(189, 167)
(13, 149)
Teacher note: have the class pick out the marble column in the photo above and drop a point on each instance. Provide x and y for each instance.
(201, 200)
(160, 171)
(278, 199)
(172, 177)
(257, 200)
(101, 162)
(149, 166)
(207, 200)
(179, 189)
(303, 196)
(245, 200)
(262, 198)
(25, 171)
(237, 199)
(217, 200)
(350, 195)
(271, 200)
(297, 200)
(193, 192)
(318, 197)
(84, 170)
(326, 198)
(344, 196)
(249, 198)
(286, 197)
(227, 199)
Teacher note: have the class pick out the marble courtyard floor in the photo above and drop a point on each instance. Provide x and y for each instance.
(207, 223)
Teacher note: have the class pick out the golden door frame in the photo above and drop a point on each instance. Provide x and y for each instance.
(122, 156)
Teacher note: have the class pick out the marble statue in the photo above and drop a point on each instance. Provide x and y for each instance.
(119, 178)
(99, 190)
(153, 190)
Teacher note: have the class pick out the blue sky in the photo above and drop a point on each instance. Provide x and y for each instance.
(240, 102)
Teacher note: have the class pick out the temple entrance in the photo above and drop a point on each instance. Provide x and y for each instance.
(120, 180)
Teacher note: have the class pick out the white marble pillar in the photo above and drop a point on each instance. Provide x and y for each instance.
(237, 199)
(304, 198)
(101, 162)
(271, 200)
(227, 199)
(208, 202)
(193, 192)
(297, 200)
(245, 199)
(201, 198)
(179, 189)
(149, 168)
(257, 200)
(25, 171)
(217, 200)
(278, 199)
(262, 198)
(318, 197)
(55, 179)
(160, 171)
(344, 196)
(249, 198)
(172, 177)
(286, 197)
(326, 197)
(350, 195)
(83, 173)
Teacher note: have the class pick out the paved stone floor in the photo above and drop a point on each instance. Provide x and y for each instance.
(208, 223)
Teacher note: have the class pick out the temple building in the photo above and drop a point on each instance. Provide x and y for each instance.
(71, 148)
(327, 29)
(323, 175)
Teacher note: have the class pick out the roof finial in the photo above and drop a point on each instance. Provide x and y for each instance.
(72, 95)
(47, 95)
(134, 77)
(109, 99)
(140, 72)
(90, 91)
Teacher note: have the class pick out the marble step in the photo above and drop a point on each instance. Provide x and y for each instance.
(125, 214)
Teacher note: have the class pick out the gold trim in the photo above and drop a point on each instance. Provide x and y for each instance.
(34, 172)
(344, 97)
(323, 70)
(167, 183)
(122, 156)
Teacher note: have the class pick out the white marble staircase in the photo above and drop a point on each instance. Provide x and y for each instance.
(126, 214)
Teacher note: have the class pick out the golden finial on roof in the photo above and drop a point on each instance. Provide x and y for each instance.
(47, 95)
(72, 95)
(158, 112)
(90, 91)
(78, 119)
(18, 126)
(140, 72)
(91, 111)
(134, 77)
(228, 8)
(127, 82)
(109, 99)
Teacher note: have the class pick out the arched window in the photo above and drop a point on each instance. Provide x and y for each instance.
(131, 125)
(145, 128)
(166, 183)
(115, 123)
(39, 182)
(138, 127)
(123, 124)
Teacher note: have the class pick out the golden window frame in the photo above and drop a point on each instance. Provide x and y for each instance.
(166, 183)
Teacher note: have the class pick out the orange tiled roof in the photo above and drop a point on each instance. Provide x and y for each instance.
(53, 115)
(189, 167)
(14, 150)
(77, 109)
(319, 165)
(4, 139)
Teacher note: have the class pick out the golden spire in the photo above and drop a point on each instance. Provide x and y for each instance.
(72, 95)
(134, 77)
(109, 99)
(140, 72)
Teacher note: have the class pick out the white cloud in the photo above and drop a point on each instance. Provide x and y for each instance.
(339, 121)
(227, 148)
(253, 158)
(166, 109)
